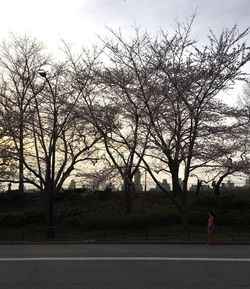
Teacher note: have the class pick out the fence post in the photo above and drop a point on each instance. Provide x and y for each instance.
(147, 235)
(188, 233)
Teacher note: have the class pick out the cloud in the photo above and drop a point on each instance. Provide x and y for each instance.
(79, 21)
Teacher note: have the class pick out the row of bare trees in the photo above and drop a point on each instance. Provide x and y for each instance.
(146, 102)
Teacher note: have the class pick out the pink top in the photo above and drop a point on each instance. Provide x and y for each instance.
(210, 221)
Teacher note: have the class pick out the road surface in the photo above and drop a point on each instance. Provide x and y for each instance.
(120, 266)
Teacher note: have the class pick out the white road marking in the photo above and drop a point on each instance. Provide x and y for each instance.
(9, 259)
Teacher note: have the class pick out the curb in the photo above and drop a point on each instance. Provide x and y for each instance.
(141, 242)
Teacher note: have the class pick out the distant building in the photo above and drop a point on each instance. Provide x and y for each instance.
(206, 187)
(111, 187)
(247, 183)
(165, 185)
(181, 182)
(193, 187)
(137, 181)
(223, 186)
(72, 185)
(229, 185)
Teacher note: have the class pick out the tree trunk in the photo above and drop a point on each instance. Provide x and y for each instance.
(217, 189)
(180, 192)
(176, 187)
(21, 185)
(128, 184)
(47, 202)
(50, 218)
(184, 214)
(198, 188)
(216, 186)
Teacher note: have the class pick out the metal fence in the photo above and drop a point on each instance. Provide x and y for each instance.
(146, 235)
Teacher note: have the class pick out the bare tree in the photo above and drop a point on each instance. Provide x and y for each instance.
(20, 59)
(60, 139)
(7, 169)
(244, 119)
(181, 99)
(126, 142)
(115, 112)
(227, 153)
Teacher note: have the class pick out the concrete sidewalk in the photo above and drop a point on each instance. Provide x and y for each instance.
(55, 241)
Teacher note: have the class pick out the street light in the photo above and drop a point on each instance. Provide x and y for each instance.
(51, 228)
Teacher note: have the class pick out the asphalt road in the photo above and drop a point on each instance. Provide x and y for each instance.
(115, 266)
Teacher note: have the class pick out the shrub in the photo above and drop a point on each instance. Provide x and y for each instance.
(133, 221)
(104, 195)
(224, 203)
(235, 218)
(198, 217)
(14, 199)
(19, 218)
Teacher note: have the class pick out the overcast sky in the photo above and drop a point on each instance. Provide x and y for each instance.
(78, 21)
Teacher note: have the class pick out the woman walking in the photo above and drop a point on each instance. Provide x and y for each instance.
(211, 229)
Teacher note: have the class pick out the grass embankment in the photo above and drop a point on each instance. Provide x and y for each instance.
(96, 217)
